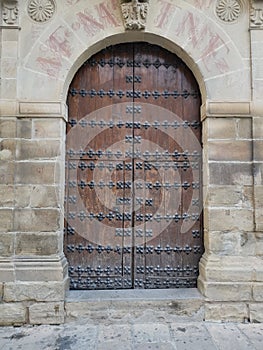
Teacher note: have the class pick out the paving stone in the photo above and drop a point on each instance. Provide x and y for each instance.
(153, 332)
(191, 336)
(155, 346)
(228, 337)
(254, 332)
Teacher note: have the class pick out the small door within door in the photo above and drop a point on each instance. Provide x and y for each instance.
(133, 210)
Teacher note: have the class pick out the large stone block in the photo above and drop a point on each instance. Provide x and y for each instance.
(44, 196)
(7, 149)
(7, 244)
(216, 219)
(244, 128)
(227, 291)
(258, 174)
(257, 290)
(7, 128)
(27, 150)
(12, 314)
(256, 312)
(7, 196)
(220, 128)
(39, 244)
(7, 172)
(230, 174)
(48, 128)
(221, 150)
(24, 128)
(223, 242)
(33, 291)
(6, 220)
(37, 173)
(46, 313)
(22, 196)
(258, 128)
(230, 196)
(37, 220)
(258, 150)
(226, 312)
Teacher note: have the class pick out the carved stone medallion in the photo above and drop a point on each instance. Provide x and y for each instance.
(41, 10)
(134, 13)
(228, 10)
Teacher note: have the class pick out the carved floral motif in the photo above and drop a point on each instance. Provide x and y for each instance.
(228, 10)
(10, 12)
(41, 10)
(134, 14)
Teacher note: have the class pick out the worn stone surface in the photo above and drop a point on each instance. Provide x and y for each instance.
(36, 173)
(27, 150)
(7, 196)
(36, 220)
(229, 312)
(256, 312)
(48, 128)
(46, 313)
(6, 220)
(240, 151)
(33, 291)
(7, 127)
(37, 244)
(136, 335)
(230, 174)
(13, 313)
(231, 219)
(24, 128)
(7, 242)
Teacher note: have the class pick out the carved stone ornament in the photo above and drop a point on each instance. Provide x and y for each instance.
(10, 12)
(228, 10)
(41, 10)
(134, 13)
(256, 18)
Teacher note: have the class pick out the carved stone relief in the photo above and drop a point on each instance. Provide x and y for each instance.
(10, 12)
(41, 10)
(256, 14)
(228, 10)
(134, 13)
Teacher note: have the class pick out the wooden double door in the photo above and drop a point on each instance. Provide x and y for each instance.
(133, 204)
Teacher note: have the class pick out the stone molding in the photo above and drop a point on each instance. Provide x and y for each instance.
(10, 12)
(226, 109)
(43, 109)
(134, 14)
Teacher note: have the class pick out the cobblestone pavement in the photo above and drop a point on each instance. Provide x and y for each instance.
(83, 334)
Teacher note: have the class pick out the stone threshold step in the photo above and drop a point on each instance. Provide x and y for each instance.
(133, 295)
(128, 305)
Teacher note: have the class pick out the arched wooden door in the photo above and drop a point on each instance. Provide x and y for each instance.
(133, 171)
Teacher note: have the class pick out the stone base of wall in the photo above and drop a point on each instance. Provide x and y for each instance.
(33, 292)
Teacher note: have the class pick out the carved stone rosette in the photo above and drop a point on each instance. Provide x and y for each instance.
(41, 10)
(228, 10)
(10, 12)
(134, 14)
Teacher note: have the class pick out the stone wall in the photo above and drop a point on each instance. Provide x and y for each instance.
(40, 53)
